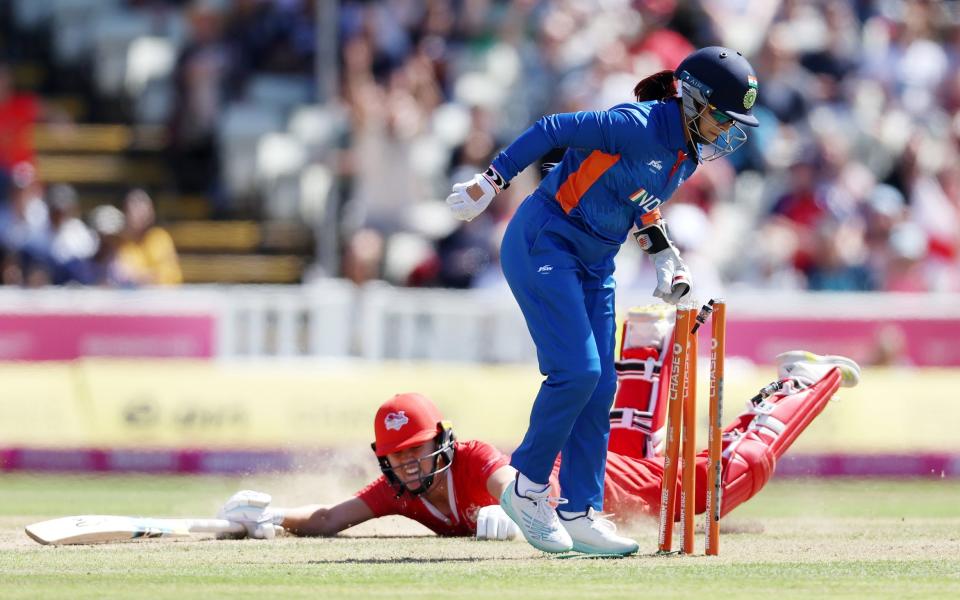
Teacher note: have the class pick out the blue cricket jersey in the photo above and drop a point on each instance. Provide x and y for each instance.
(620, 164)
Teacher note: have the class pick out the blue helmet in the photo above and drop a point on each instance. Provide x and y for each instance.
(719, 80)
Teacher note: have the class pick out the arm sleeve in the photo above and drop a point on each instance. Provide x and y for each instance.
(380, 498)
(483, 459)
(611, 131)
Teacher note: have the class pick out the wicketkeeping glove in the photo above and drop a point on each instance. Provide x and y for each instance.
(252, 510)
(466, 207)
(674, 281)
(494, 524)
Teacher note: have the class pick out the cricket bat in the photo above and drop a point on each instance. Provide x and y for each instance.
(100, 529)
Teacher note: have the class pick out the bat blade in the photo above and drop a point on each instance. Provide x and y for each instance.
(100, 529)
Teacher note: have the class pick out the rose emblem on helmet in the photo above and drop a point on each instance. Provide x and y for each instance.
(395, 420)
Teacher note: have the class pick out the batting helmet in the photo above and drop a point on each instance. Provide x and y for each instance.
(405, 421)
(721, 81)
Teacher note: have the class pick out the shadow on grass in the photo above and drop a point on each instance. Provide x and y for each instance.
(396, 561)
(387, 537)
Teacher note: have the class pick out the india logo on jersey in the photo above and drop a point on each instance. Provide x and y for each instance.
(645, 200)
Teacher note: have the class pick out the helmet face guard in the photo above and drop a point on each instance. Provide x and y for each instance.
(720, 82)
(694, 95)
(444, 448)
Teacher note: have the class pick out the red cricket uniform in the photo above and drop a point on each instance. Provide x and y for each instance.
(473, 463)
(631, 486)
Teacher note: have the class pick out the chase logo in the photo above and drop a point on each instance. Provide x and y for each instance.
(645, 200)
(395, 420)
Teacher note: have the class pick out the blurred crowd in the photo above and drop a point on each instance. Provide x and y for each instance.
(852, 182)
(44, 241)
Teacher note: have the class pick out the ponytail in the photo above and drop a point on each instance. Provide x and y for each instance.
(658, 86)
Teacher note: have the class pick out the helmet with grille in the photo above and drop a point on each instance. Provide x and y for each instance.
(720, 82)
(406, 421)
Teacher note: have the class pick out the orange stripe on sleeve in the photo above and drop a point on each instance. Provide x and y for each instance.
(651, 217)
(585, 176)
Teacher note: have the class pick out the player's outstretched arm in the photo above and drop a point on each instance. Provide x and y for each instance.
(316, 520)
(500, 479)
(492, 522)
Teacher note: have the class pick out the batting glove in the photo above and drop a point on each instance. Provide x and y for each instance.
(471, 198)
(252, 510)
(494, 524)
(674, 281)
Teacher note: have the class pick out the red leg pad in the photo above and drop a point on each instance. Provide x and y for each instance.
(758, 437)
(638, 418)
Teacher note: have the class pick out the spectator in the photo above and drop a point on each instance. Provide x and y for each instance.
(10, 271)
(839, 259)
(363, 256)
(71, 243)
(277, 37)
(24, 219)
(18, 113)
(207, 76)
(105, 270)
(906, 271)
(884, 210)
(147, 254)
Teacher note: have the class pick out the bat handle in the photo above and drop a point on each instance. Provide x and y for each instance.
(215, 526)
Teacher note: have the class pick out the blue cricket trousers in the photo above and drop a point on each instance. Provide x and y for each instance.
(562, 278)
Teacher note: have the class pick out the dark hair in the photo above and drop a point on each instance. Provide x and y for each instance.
(658, 86)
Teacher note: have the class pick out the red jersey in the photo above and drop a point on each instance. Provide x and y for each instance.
(631, 486)
(473, 464)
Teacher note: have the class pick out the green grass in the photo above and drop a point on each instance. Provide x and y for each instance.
(797, 539)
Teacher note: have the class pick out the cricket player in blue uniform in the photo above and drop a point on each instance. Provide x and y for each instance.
(557, 255)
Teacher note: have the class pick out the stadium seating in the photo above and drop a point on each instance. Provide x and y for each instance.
(119, 92)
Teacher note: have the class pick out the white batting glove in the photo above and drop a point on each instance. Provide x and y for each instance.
(494, 524)
(484, 186)
(252, 510)
(674, 281)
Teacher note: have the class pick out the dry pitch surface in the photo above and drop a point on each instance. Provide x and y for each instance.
(796, 539)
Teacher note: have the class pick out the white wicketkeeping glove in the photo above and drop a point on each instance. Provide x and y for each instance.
(252, 510)
(673, 277)
(466, 208)
(494, 524)
(674, 281)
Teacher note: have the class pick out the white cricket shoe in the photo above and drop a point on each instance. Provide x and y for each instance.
(536, 518)
(809, 366)
(594, 534)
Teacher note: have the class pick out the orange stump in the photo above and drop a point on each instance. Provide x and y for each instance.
(715, 428)
(678, 377)
(681, 442)
(689, 450)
